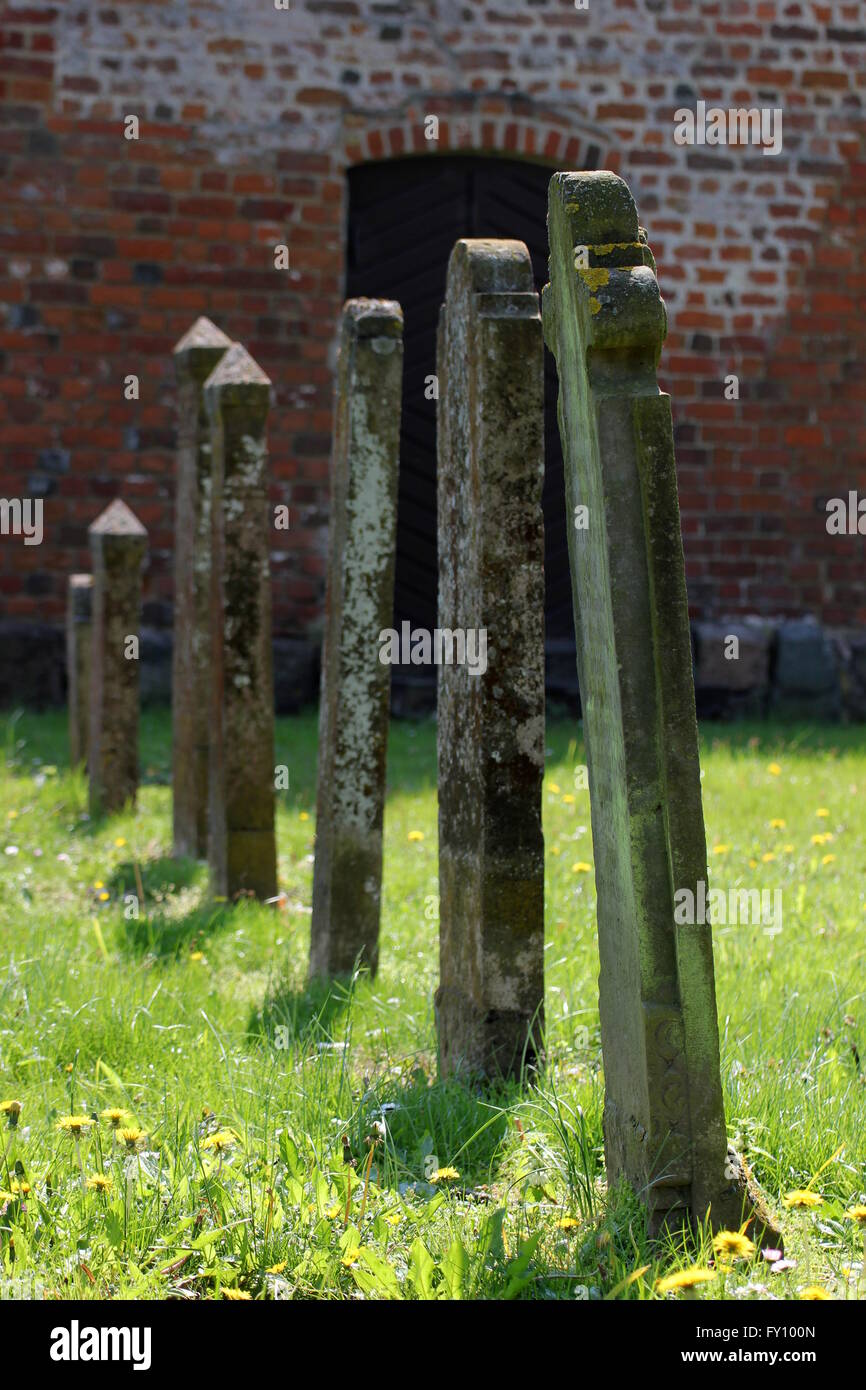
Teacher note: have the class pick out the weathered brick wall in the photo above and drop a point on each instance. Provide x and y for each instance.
(250, 116)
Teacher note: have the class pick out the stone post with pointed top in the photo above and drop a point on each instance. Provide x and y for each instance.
(354, 705)
(79, 616)
(118, 543)
(195, 357)
(490, 451)
(241, 841)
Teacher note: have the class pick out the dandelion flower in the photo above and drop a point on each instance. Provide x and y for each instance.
(581, 867)
(114, 1116)
(120, 842)
(196, 955)
(74, 1124)
(814, 1294)
(100, 1182)
(415, 836)
(828, 859)
(12, 1108)
(221, 1141)
(351, 1256)
(103, 896)
(555, 849)
(788, 849)
(444, 1175)
(733, 1243)
(304, 815)
(857, 1214)
(554, 788)
(568, 799)
(721, 849)
(774, 769)
(393, 1218)
(777, 824)
(767, 858)
(277, 1268)
(822, 812)
(684, 1279)
(237, 1295)
(567, 1223)
(133, 1137)
(21, 1189)
(802, 1199)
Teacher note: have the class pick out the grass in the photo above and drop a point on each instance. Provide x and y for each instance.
(196, 1019)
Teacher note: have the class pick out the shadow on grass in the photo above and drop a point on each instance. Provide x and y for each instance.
(149, 888)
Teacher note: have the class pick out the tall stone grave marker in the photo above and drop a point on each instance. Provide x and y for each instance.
(490, 422)
(354, 704)
(79, 616)
(604, 320)
(195, 357)
(241, 842)
(118, 542)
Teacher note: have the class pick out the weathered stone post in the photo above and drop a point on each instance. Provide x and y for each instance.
(195, 357)
(354, 703)
(241, 841)
(79, 615)
(490, 424)
(118, 543)
(604, 320)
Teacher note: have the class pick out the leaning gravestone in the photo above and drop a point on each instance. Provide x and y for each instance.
(490, 422)
(118, 542)
(241, 842)
(195, 357)
(79, 615)
(604, 320)
(353, 709)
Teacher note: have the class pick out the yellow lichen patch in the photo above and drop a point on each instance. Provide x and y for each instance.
(594, 279)
(595, 306)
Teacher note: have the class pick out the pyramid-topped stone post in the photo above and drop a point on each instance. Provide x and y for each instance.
(79, 619)
(605, 321)
(195, 356)
(490, 426)
(241, 842)
(354, 704)
(118, 543)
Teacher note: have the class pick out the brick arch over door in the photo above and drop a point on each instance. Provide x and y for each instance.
(404, 218)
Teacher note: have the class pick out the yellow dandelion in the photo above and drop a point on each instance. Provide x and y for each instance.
(351, 1256)
(567, 1223)
(132, 1137)
(304, 815)
(237, 1295)
(99, 883)
(74, 1124)
(767, 858)
(415, 836)
(777, 824)
(753, 863)
(822, 812)
(555, 849)
(444, 1175)
(802, 1199)
(277, 1268)
(393, 1218)
(581, 867)
(222, 1140)
(814, 1294)
(684, 1279)
(828, 859)
(100, 1182)
(774, 769)
(788, 849)
(554, 788)
(568, 799)
(857, 1214)
(721, 849)
(103, 896)
(196, 955)
(120, 842)
(21, 1189)
(11, 815)
(114, 1116)
(11, 1107)
(333, 1212)
(822, 838)
(733, 1243)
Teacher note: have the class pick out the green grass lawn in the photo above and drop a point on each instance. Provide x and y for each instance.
(195, 1018)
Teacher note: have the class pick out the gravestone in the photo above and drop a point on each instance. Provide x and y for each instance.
(604, 321)
(241, 840)
(355, 689)
(490, 423)
(79, 616)
(195, 357)
(118, 542)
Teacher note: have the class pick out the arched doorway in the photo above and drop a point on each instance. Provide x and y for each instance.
(404, 218)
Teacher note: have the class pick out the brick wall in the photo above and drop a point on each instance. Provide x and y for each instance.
(250, 116)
